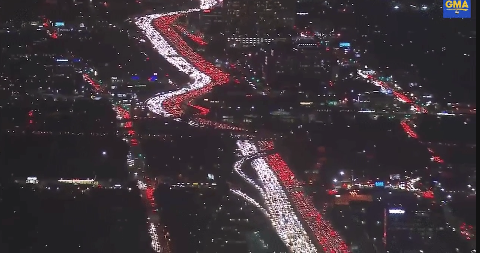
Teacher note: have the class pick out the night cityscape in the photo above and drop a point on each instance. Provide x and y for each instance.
(237, 126)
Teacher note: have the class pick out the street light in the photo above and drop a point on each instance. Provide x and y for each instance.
(335, 180)
(342, 173)
(104, 153)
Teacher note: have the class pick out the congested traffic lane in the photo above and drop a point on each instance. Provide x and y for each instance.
(160, 104)
(208, 4)
(195, 38)
(322, 230)
(405, 124)
(282, 212)
(283, 198)
(277, 205)
(398, 95)
(203, 75)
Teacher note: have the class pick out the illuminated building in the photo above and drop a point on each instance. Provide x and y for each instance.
(303, 57)
(212, 21)
(375, 100)
(254, 21)
(407, 230)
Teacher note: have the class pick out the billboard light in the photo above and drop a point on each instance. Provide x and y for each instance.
(396, 211)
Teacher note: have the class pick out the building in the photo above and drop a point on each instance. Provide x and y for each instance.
(249, 22)
(304, 58)
(346, 199)
(212, 22)
(407, 230)
(375, 100)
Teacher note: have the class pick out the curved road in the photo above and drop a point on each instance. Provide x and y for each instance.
(296, 221)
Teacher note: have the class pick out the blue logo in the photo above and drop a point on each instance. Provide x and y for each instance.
(457, 9)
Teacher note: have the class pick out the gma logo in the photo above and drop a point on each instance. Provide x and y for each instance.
(456, 6)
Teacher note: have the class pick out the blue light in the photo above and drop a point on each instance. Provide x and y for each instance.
(386, 91)
(379, 184)
(135, 78)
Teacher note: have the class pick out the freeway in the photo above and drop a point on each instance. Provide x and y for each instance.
(195, 38)
(292, 214)
(301, 227)
(406, 124)
(408, 127)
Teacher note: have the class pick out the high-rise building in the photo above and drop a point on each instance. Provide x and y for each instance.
(257, 18)
(212, 22)
(302, 58)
